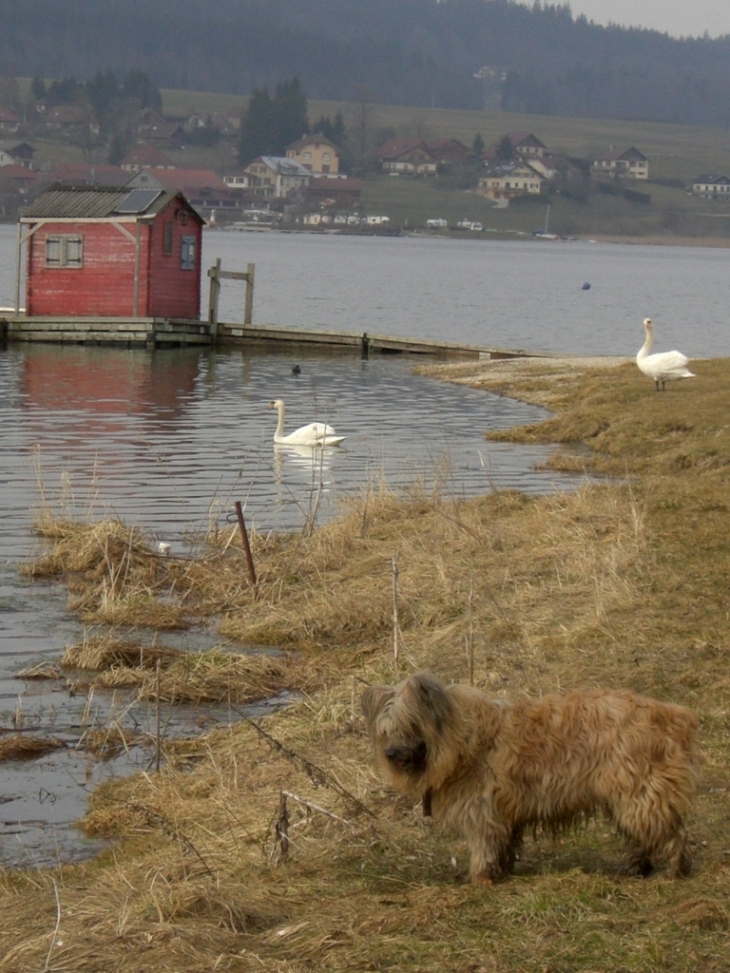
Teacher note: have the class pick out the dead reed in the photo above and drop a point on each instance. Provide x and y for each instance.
(25, 746)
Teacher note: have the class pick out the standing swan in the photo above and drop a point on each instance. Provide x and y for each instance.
(314, 434)
(664, 366)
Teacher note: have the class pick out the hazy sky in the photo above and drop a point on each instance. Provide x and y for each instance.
(680, 18)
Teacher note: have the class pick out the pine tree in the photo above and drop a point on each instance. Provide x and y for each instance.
(290, 110)
(270, 124)
(256, 128)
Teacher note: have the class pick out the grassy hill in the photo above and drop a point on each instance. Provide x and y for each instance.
(676, 152)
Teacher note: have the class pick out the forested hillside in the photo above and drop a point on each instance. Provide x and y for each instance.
(440, 53)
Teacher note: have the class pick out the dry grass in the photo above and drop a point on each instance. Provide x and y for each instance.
(20, 746)
(174, 676)
(623, 583)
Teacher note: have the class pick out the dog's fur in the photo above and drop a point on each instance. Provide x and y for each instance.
(491, 769)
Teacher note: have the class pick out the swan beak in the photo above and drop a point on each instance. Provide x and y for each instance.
(271, 405)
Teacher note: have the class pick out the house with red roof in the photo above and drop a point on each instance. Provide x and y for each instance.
(408, 157)
(146, 157)
(9, 121)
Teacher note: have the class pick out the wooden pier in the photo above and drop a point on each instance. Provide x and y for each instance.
(166, 333)
(158, 332)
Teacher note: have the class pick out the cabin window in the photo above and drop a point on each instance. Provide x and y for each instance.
(64, 251)
(167, 239)
(187, 253)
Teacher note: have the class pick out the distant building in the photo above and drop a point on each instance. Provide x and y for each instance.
(70, 118)
(9, 121)
(203, 188)
(112, 253)
(713, 187)
(407, 157)
(627, 163)
(505, 180)
(277, 176)
(524, 145)
(149, 126)
(334, 192)
(146, 157)
(83, 174)
(446, 151)
(316, 153)
(14, 153)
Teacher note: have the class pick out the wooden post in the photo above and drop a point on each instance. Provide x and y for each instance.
(248, 312)
(247, 549)
(215, 287)
(18, 252)
(216, 276)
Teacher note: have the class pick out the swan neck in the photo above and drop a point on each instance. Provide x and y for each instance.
(644, 350)
(280, 424)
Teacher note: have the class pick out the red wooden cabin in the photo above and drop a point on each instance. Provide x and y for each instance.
(112, 252)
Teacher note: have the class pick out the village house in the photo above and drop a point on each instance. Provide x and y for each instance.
(13, 153)
(447, 151)
(505, 180)
(712, 187)
(112, 252)
(70, 118)
(9, 121)
(628, 163)
(239, 180)
(82, 174)
(517, 145)
(316, 153)
(407, 157)
(277, 177)
(526, 144)
(340, 192)
(146, 157)
(203, 188)
(149, 126)
(17, 178)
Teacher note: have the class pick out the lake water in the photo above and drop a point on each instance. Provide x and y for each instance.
(169, 440)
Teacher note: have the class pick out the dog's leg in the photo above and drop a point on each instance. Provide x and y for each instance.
(678, 855)
(658, 836)
(491, 857)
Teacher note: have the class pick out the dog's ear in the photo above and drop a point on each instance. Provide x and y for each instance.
(374, 698)
(433, 698)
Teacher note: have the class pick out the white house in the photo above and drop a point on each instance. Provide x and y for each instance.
(627, 163)
(505, 180)
(714, 187)
(276, 176)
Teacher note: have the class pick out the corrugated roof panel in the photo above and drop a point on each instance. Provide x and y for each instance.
(82, 203)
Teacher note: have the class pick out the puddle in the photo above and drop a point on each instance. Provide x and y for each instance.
(43, 797)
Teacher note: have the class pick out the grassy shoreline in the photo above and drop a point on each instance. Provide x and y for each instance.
(621, 583)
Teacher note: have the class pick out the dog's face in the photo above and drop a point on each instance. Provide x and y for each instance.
(405, 725)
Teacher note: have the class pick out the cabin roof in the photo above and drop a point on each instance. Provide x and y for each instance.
(98, 202)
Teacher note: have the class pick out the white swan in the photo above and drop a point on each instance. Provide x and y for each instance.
(314, 434)
(664, 366)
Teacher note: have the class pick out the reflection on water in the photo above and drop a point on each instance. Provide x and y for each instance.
(168, 441)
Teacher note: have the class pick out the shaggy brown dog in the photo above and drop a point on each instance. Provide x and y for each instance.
(491, 769)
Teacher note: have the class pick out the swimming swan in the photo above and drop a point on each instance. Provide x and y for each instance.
(314, 434)
(664, 366)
